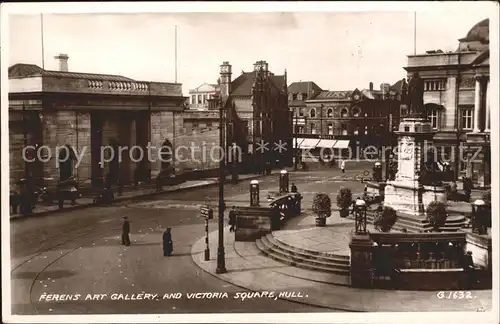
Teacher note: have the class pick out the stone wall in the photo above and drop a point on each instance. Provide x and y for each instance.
(67, 127)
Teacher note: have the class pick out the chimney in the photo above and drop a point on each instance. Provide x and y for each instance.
(63, 62)
(225, 79)
(371, 86)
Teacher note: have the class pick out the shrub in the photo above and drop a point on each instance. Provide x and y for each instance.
(436, 214)
(344, 198)
(385, 219)
(322, 205)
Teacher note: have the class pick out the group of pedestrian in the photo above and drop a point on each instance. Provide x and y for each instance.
(168, 245)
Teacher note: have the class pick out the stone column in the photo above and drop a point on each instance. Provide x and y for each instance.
(477, 105)
(361, 273)
(487, 122)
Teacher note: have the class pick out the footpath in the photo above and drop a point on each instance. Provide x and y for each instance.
(248, 268)
(128, 194)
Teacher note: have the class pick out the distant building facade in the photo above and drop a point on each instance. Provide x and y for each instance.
(89, 112)
(200, 96)
(344, 120)
(457, 101)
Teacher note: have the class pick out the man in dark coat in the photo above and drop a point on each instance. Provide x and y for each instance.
(125, 232)
(232, 219)
(168, 245)
(293, 188)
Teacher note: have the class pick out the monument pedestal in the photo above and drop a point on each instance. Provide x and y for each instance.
(361, 246)
(406, 194)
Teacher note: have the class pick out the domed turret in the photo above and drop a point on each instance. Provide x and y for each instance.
(477, 38)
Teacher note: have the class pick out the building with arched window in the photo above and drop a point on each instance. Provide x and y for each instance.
(457, 102)
(347, 119)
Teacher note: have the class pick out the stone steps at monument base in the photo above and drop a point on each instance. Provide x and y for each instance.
(309, 254)
(290, 257)
(453, 223)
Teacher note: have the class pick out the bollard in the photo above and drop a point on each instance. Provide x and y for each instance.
(254, 193)
(283, 183)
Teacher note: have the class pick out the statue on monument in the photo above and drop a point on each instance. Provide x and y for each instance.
(416, 96)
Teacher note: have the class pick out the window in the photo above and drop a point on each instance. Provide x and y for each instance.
(434, 85)
(313, 128)
(300, 129)
(299, 96)
(301, 112)
(344, 129)
(329, 112)
(312, 113)
(356, 111)
(304, 96)
(466, 118)
(330, 129)
(193, 99)
(204, 98)
(199, 99)
(343, 113)
(434, 117)
(294, 96)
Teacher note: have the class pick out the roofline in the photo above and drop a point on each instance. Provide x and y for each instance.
(101, 95)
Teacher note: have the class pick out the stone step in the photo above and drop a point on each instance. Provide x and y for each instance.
(290, 254)
(323, 256)
(453, 223)
(288, 258)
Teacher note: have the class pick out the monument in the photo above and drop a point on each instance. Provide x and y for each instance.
(410, 192)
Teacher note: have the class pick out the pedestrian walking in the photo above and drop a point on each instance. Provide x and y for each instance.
(232, 219)
(125, 232)
(168, 245)
(342, 166)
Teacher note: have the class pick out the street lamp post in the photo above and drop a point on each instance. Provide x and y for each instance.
(221, 262)
(294, 134)
(360, 214)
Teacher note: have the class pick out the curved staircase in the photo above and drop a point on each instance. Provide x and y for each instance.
(301, 258)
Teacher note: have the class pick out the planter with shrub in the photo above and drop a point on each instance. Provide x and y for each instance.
(322, 207)
(436, 215)
(385, 219)
(344, 200)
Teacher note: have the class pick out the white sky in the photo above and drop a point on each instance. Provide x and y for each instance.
(337, 50)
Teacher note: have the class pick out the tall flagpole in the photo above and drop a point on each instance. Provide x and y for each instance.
(175, 53)
(43, 51)
(415, 33)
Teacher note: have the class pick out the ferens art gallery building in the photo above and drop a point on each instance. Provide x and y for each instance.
(89, 111)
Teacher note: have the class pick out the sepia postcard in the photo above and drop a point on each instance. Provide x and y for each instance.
(247, 162)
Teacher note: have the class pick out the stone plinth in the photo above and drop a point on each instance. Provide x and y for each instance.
(406, 194)
(361, 261)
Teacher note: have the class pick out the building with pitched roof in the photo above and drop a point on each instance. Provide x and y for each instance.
(257, 112)
(91, 111)
(343, 120)
(457, 101)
